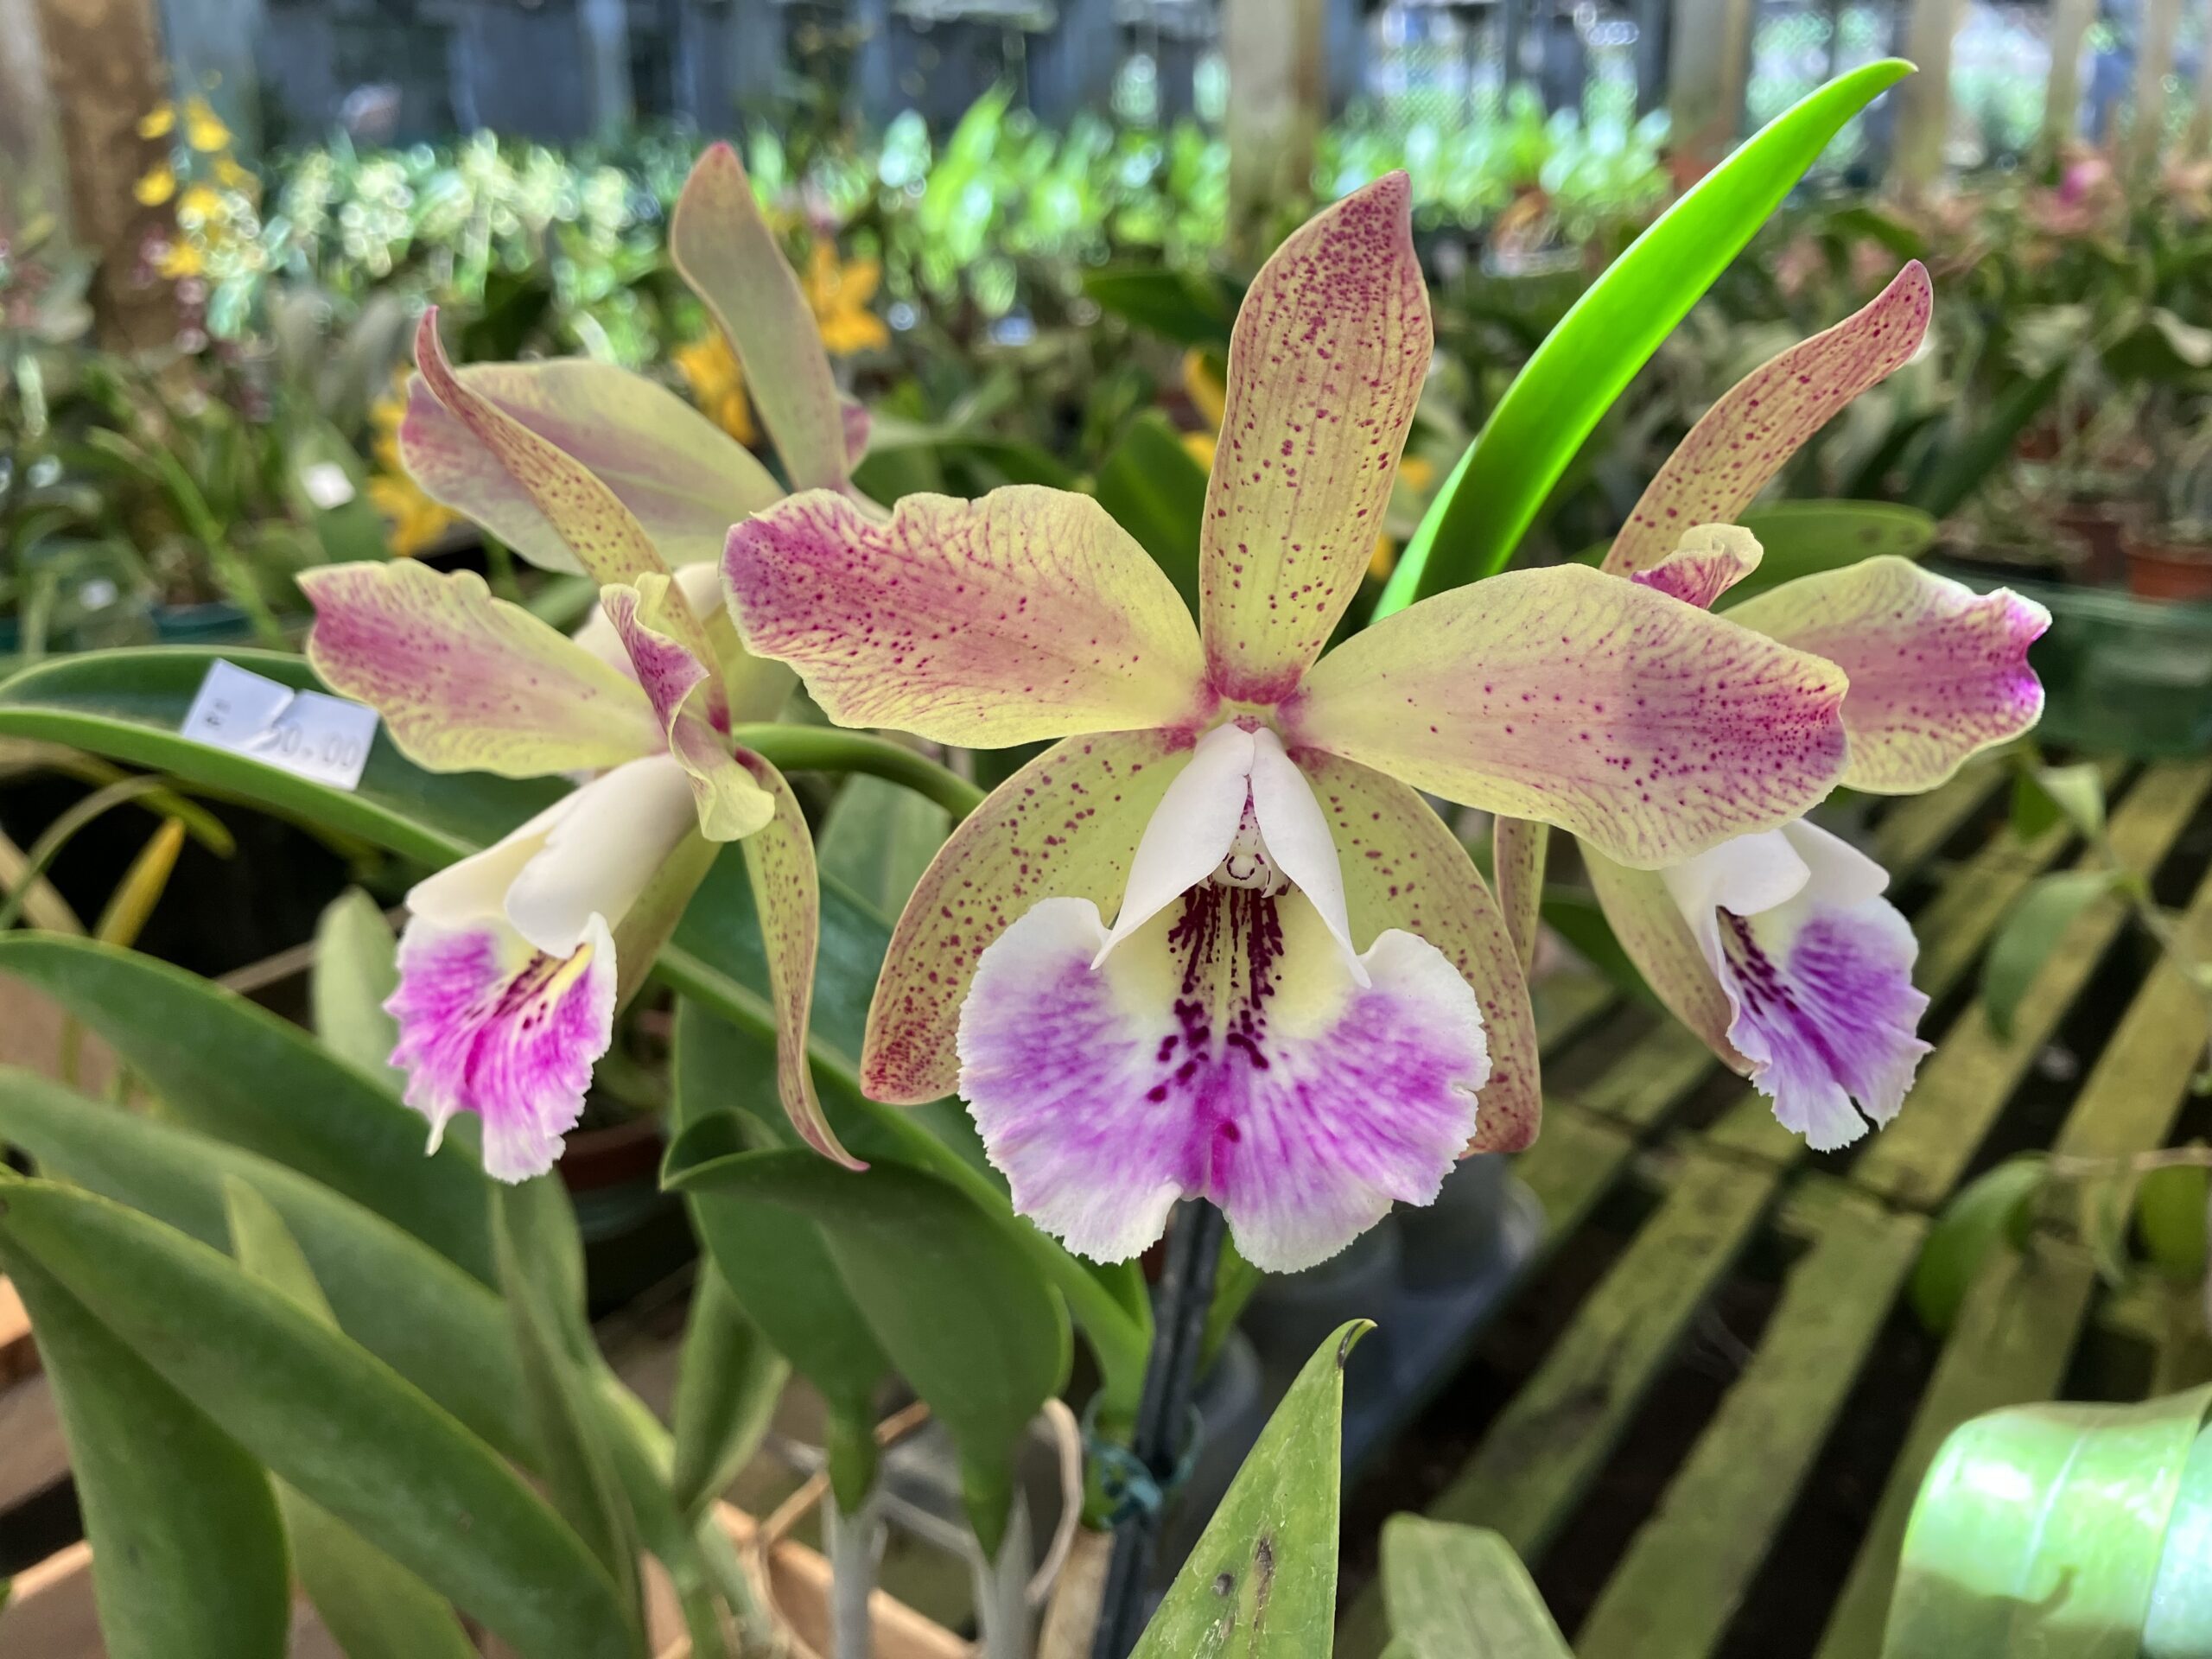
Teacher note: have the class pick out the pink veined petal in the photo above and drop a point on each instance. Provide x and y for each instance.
(683, 478)
(758, 689)
(1745, 439)
(647, 618)
(1225, 1051)
(605, 543)
(724, 250)
(1402, 867)
(1325, 365)
(1027, 614)
(1712, 559)
(490, 1026)
(1658, 939)
(1938, 673)
(1518, 853)
(1641, 724)
(1067, 825)
(1191, 830)
(786, 893)
(467, 683)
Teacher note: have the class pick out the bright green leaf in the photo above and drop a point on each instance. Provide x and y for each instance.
(328, 1418)
(2031, 931)
(1991, 1212)
(2171, 1214)
(188, 1547)
(1477, 520)
(2041, 1530)
(1461, 1593)
(2180, 1622)
(1271, 1546)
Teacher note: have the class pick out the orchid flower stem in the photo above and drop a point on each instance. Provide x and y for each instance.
(852, 1538)
(1162, 1432)
(816, 749)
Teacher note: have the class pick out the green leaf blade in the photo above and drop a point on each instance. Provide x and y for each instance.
(1461, 1593)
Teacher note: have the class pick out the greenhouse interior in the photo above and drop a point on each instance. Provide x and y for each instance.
(1071, 828)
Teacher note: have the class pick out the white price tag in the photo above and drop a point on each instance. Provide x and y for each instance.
(319, 737)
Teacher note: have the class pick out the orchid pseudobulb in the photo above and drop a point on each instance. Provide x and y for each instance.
(1307, 1004)
(516, 959)
(1778, 949)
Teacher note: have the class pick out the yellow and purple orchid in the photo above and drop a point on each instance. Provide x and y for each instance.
(1307, 1004)
(1777, 948)
(516, 959)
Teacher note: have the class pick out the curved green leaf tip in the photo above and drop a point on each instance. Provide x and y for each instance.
(1477, 518)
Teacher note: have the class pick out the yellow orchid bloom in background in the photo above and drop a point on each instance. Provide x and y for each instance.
(838, 294)
(716, 378)
(158, 121)
(413, 521)
(203, 129)
(156, 186)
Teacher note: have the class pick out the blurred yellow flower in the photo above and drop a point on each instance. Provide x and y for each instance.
(156, 186)
(158, 121)
(1199, 446)
(1201, 384)
(413, 522)
(199, 201)
(203, 129)
(232, 176)
(717, 383)
(179, 260)
(838, 294)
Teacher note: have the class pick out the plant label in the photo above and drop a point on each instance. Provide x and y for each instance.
(316, 736)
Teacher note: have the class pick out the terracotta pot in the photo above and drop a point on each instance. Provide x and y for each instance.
(2104, 528)
(2174, 570)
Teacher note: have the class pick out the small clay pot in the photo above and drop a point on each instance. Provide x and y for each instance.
(2104, 527)
(2157, 568)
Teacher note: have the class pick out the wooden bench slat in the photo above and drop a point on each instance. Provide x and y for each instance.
(1964, 1085)
(1914, 829)
(1691, 1563)
(1540, 1452)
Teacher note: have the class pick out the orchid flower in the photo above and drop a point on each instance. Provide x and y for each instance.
(1777, 948)
(516, 959)
(1305, 987)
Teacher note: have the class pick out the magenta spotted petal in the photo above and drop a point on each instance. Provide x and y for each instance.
(1226, 1051)
(490, 1026)
(1817, 969)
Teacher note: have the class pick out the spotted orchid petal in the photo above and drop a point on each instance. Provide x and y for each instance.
(1817, 969)
(1066, 825)
(1027, 614)
(1518, 846)
(1651, 928)
(1225, 1050)
(758, 689)
(603, 540)
(467, 683)
(681, 478)
(1743, 440)
(1641, 724)
(724, 250)
(1404, 868)
(1326, 365)
(648, 618)
(787, 896)
(509, 973)
(1938, 673)
(1711, 559)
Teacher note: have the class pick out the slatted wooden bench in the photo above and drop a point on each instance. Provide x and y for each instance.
(1703, 1554)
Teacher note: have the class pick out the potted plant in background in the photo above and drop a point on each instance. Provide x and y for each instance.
(2170, 557)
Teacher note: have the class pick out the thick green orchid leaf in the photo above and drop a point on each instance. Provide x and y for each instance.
(327, 1417)
(2032, 930)
(1261, 1582)
(2180, 1623)
(2042, 1529)
(188, 1548)
(356, 969)
(1190, 307)
(234, 1070)
(1461, 1593)
(1803, 538)
(1477, 520)
(414, 1309)
(947, 1290)
(373, 1607)
(1156, 490)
